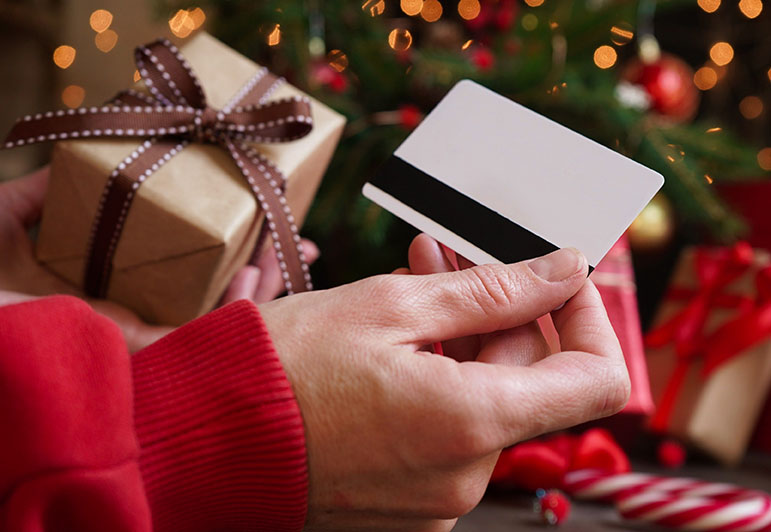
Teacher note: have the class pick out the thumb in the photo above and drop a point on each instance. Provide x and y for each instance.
(487, 298)
(22, 198)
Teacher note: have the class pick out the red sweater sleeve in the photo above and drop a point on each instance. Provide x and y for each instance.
(198, 432)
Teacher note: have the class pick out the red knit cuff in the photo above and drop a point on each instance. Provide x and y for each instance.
(222, 439)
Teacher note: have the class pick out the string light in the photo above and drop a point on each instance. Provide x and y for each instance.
(621, 34)
(432, 10)
(198, 16)
(605, 56)
(705, 78)
(721, 53)
(181, 24)
(534, 3)
(274, 37)
(73, 96)
(751, 8)
(708, 179)
(467, 44)
(400, 39)
(764, 158)
(64, 56)
(751, 107)
(337, 60)
(714, 129)
(100, 20)
(769, 74)
(106, 40)
(710, 6)
(469, 9)
(137, 76)
(530, 22)
(411, 7)
(375, 7)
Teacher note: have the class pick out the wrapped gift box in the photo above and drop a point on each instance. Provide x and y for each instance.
(709, 354)
(194, 222)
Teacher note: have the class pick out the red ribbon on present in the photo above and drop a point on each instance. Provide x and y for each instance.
(715, 269)
(544, 463)
(174, 114)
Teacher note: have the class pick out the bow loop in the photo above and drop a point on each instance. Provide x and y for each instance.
(168, 76)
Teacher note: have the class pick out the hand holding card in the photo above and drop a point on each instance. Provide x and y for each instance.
(497, 182)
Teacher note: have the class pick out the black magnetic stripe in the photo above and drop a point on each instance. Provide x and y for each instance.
(505, 240)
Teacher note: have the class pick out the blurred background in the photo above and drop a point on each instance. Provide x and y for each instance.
(682, 86)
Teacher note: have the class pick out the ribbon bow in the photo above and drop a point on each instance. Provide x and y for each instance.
(715, 270)
(173, 115)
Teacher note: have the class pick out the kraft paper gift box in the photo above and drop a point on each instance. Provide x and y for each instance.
(194, 221)
(710, 376)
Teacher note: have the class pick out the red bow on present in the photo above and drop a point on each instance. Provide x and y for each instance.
(715, 269)
(544, 463)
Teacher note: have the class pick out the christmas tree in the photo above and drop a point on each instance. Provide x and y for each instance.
(595, 66)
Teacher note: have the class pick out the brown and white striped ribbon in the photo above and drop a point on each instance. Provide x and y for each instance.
(174, 114)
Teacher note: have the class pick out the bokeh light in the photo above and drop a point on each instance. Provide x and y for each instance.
(467, 44)
(751, 107)
(764, 158)
(73, 96)
(751, 8)
(534, 3)
(411, 7)
(530, 22)
(469, 9)
(721, 53)
(137, 76)
(400, 39)
(274, 37)
(198, 16)
(621, 33)
(714, 130)
(432, 10)
(710, 6)
(708, 179)
(375, 7)
(605, 56)
(106, 40)
(181, 24)
(64, 56)
(337, 60)
(705, 78)
(100, 20)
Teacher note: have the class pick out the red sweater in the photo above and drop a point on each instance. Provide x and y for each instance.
(198, 432)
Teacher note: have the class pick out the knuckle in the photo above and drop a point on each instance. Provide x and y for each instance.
(618, 388)
(493, 287)
(393, 301)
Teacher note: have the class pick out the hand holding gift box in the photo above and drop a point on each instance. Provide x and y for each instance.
(193, 222)
(709, 349)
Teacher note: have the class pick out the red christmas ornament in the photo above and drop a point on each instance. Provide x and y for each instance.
(410, 116)
(668, 82)
(671, 454)
(553, 506)
(482, 58)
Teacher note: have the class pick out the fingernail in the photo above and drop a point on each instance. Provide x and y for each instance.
(558, 265)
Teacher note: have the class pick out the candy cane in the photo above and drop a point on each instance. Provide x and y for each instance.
(679, 503)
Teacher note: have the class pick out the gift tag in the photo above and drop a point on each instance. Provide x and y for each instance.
(497, 182)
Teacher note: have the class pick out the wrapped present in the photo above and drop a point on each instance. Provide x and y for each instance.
(614, 278)
(709, 351)
(218, 145)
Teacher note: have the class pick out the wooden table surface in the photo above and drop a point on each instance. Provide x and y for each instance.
(502, 511)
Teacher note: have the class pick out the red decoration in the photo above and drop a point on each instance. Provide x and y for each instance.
(506, 14)
(324, 75)
(410, 116)
(669, 84)
(553, 506)
(482, 58)
(671, 454)
(501, 14)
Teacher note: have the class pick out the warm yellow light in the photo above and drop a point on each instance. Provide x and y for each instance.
(621, 34)
(466, 44)
(534, 3)
(106, 40)
(764, 158)
(337, 60)
(274, 37)
(137, 76)
(64, 56)
(751, 107)
(708, 179)
(100, 20)
(721, 53)
(714, 130)
(411, 7)
(769, 74)
(705, 78)
(73, 95)
(605, 56)
(710, 6)
(530, 22)
(469, 9)
(198, 16)
(375, 7)
(432, 10)
(751, 8)
(181, 24)
(400, 39)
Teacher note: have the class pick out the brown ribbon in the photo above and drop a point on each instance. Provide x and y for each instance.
(173, 115)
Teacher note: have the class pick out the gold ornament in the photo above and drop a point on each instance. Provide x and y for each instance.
(654, 227)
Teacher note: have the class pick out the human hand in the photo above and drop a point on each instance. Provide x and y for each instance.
(402, 439)
(23, 278)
